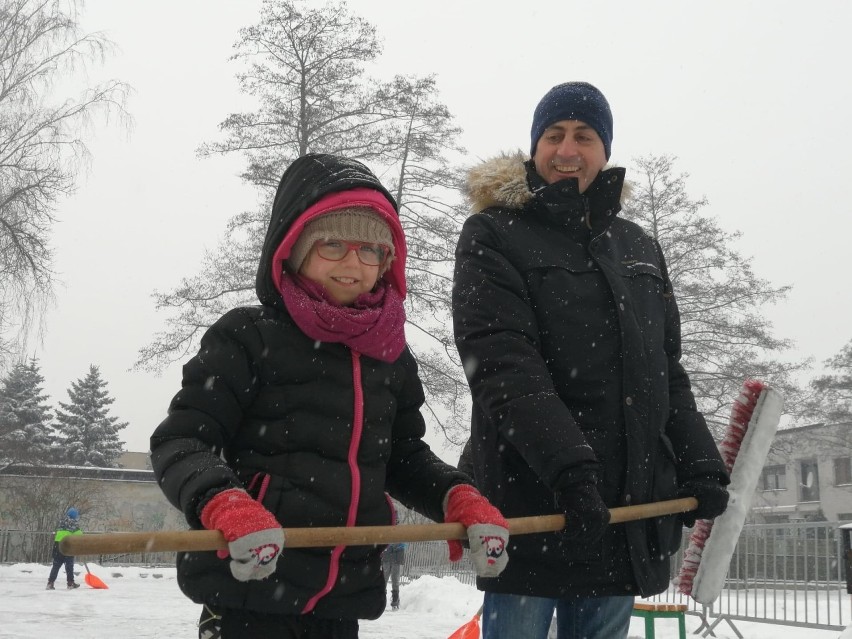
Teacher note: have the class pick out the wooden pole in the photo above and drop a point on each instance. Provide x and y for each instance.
(200, 540)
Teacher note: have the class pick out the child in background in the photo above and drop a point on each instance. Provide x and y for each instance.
(304, 411)
(68, 525)
(393, 558)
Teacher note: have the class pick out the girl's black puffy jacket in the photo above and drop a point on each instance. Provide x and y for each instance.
(264, 405)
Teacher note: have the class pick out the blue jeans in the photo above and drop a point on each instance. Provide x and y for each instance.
(523, 617)
(60, 560)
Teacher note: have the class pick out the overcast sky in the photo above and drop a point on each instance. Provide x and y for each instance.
(752, 97)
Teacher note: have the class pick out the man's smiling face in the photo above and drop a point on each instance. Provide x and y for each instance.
(569, 149)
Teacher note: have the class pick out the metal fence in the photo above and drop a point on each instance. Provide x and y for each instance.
(790, 574)
(433, 558)
(18, 546)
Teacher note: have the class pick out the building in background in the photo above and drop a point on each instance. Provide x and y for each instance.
(136, 461)
(125, 499)
(807, 476)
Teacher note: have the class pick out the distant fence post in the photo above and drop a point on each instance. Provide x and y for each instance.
(846, 535)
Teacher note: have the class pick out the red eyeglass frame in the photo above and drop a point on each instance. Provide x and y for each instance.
(353, 246)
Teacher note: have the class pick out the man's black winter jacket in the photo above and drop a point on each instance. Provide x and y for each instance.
(569, 334)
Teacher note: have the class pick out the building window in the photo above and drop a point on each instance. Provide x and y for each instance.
(842, 471)
(775, 478)
(809, 486)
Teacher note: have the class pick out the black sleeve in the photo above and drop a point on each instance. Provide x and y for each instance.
(465, 464)
(416, 476)
(218, 384)
(497, 338)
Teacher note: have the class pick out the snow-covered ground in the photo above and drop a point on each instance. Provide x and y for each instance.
(146, 603)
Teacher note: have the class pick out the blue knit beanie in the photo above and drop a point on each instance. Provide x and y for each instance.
(573, 101)
(72, 513)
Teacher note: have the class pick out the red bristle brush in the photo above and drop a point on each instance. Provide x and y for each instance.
(754, 419)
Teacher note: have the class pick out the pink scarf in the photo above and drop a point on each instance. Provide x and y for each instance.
(374, 325)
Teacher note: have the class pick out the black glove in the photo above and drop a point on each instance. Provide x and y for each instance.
(711, 495)
(586, 515)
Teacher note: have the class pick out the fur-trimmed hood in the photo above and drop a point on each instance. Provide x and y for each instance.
(502, 181)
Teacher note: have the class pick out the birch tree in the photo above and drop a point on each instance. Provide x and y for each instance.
(41, 146)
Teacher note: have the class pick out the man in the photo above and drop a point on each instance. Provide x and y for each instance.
(568, 329)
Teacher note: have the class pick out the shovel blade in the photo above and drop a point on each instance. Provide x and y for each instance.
(94, 582)
(468, 631)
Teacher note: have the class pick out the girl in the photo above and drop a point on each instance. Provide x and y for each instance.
(304, 411)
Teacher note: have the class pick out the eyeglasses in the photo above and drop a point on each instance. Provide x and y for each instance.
(368, 254)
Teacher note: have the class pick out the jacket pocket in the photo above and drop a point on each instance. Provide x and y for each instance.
(664, 533)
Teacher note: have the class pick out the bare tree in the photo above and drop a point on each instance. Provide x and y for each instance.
(725, 337)
(832, 392)
(427, 189)
(38, 502)
(305, 67)
(306, 70)
(40, 146)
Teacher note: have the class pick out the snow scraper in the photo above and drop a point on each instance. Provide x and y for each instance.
(754, 419)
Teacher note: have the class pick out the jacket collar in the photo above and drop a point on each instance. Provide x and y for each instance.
(510, 181)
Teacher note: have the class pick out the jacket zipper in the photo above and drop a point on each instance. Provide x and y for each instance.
(355, 477)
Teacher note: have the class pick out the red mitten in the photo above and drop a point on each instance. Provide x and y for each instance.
(254, 536)
(487, 530)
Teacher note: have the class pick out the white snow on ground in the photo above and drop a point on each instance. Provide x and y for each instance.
(146, 603)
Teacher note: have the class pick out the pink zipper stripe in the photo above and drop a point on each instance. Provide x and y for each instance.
(264, 486)
(355, 475)
(355, 443)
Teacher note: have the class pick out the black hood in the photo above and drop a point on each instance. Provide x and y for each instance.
(305, 181)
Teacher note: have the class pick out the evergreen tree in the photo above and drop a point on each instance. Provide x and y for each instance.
(726, 338)
(25, 430)
(88, 436)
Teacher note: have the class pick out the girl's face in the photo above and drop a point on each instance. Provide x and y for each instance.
(344, 279)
